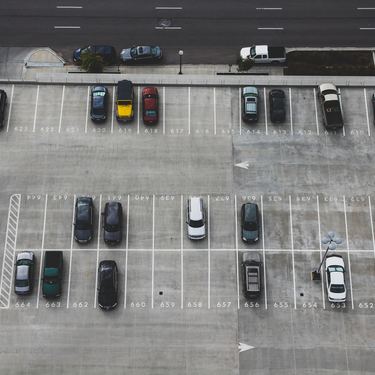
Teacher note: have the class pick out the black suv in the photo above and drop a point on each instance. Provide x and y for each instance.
(277, 105)
(112, 223)
(107, 284)
(83, 223)
(108, 53)
(252, 274)
(3, 103)
(250, 222)
(99, 103)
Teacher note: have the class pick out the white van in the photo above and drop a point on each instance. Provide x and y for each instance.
(196, 219)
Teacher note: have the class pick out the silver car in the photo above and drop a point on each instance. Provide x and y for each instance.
(141, 53)
(196, 219)
(24, 275)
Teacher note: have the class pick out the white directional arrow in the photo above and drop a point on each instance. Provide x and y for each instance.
(244, 165)
(243, 347)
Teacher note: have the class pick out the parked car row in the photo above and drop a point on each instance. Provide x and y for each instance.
(52, 277)
(127, 55)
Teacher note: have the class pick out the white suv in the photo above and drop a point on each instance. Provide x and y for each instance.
(196, 220)
(335, 278)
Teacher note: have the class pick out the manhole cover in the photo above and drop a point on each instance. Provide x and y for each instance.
(164, 22)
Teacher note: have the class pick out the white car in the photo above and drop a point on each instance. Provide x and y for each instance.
(196, 220)
(335, 278)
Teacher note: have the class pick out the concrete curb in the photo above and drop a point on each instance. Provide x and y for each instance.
(190, 80)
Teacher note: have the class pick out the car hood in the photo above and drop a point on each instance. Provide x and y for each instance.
(245, 52)
(83, 234)
(250, 234)
(112, 236)
(197, 232)
(125, 54)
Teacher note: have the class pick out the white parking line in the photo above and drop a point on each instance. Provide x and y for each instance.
(268, 8)
(265, 109)
(264, 255)
(291, 110)
(168, 27)
(42, 250)
(67, 27)
(71, 254)
(208, 253)
(239, 110)
(10, 107)
(138, 108)
(339, 91)
(98, 250)
(87, 107)
(163, 109)
(126, 251)
(372, 223)
(189, 110)
(348, 250)
(367, 116)
(214, 110)
(316, 112)
(270, 28)
(320, 251)
(182, 251)
(168, 8)
(36, 107)
(292, 248)
(69, 7)
(113, 108)
(237, 257)
(153, 252)
(61, 107)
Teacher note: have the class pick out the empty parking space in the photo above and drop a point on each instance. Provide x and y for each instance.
(74, 113)
(227, 111)
(305, 218)
(202, 111)
(168, 221)
(167, 280)
(304, 107)
(24, 103)
(221, 216)
(82, 278)
(59, 216)
(195, 279)
(354, 110)
(49, 107)
(276, 219)
(223, 280)
(31, 220)
(177, 110)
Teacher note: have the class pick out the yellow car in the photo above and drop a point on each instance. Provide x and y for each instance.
(125, 101)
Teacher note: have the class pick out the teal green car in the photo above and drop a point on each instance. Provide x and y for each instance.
(52, 274)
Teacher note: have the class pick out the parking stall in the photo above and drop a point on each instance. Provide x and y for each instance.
(227, 113)
(176, 102)
(202, 111)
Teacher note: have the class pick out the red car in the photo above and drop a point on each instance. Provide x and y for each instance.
(150, 105)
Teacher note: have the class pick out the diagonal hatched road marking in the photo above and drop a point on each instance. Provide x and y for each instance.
(9, 250)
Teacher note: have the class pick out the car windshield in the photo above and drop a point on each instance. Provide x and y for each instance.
(252, 51)
(133, 52)
(335, 269)
(250, 226)
(196, 223)
(337, 288)
(150, 113)
(22, 283)
(124, 102)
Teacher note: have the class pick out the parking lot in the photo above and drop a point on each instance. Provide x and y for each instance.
(184, 111)
(181, 302)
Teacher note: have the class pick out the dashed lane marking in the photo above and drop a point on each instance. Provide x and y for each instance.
(9, 250)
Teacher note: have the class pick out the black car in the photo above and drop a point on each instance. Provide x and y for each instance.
(250, 226)
(99, 103)
(112, 223)
(83, 223)
(107, 284)
(141, 53)
(252, 274)
(373, 105)
(277, 105)
(3, 103)
(108, 53)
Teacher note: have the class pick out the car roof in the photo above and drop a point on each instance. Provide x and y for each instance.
(337, 278)
(250, 211)
(23, 272)
(196, 208)
(113, 212)
(124, 89)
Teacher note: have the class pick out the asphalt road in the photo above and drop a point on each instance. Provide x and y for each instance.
(211, 32)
